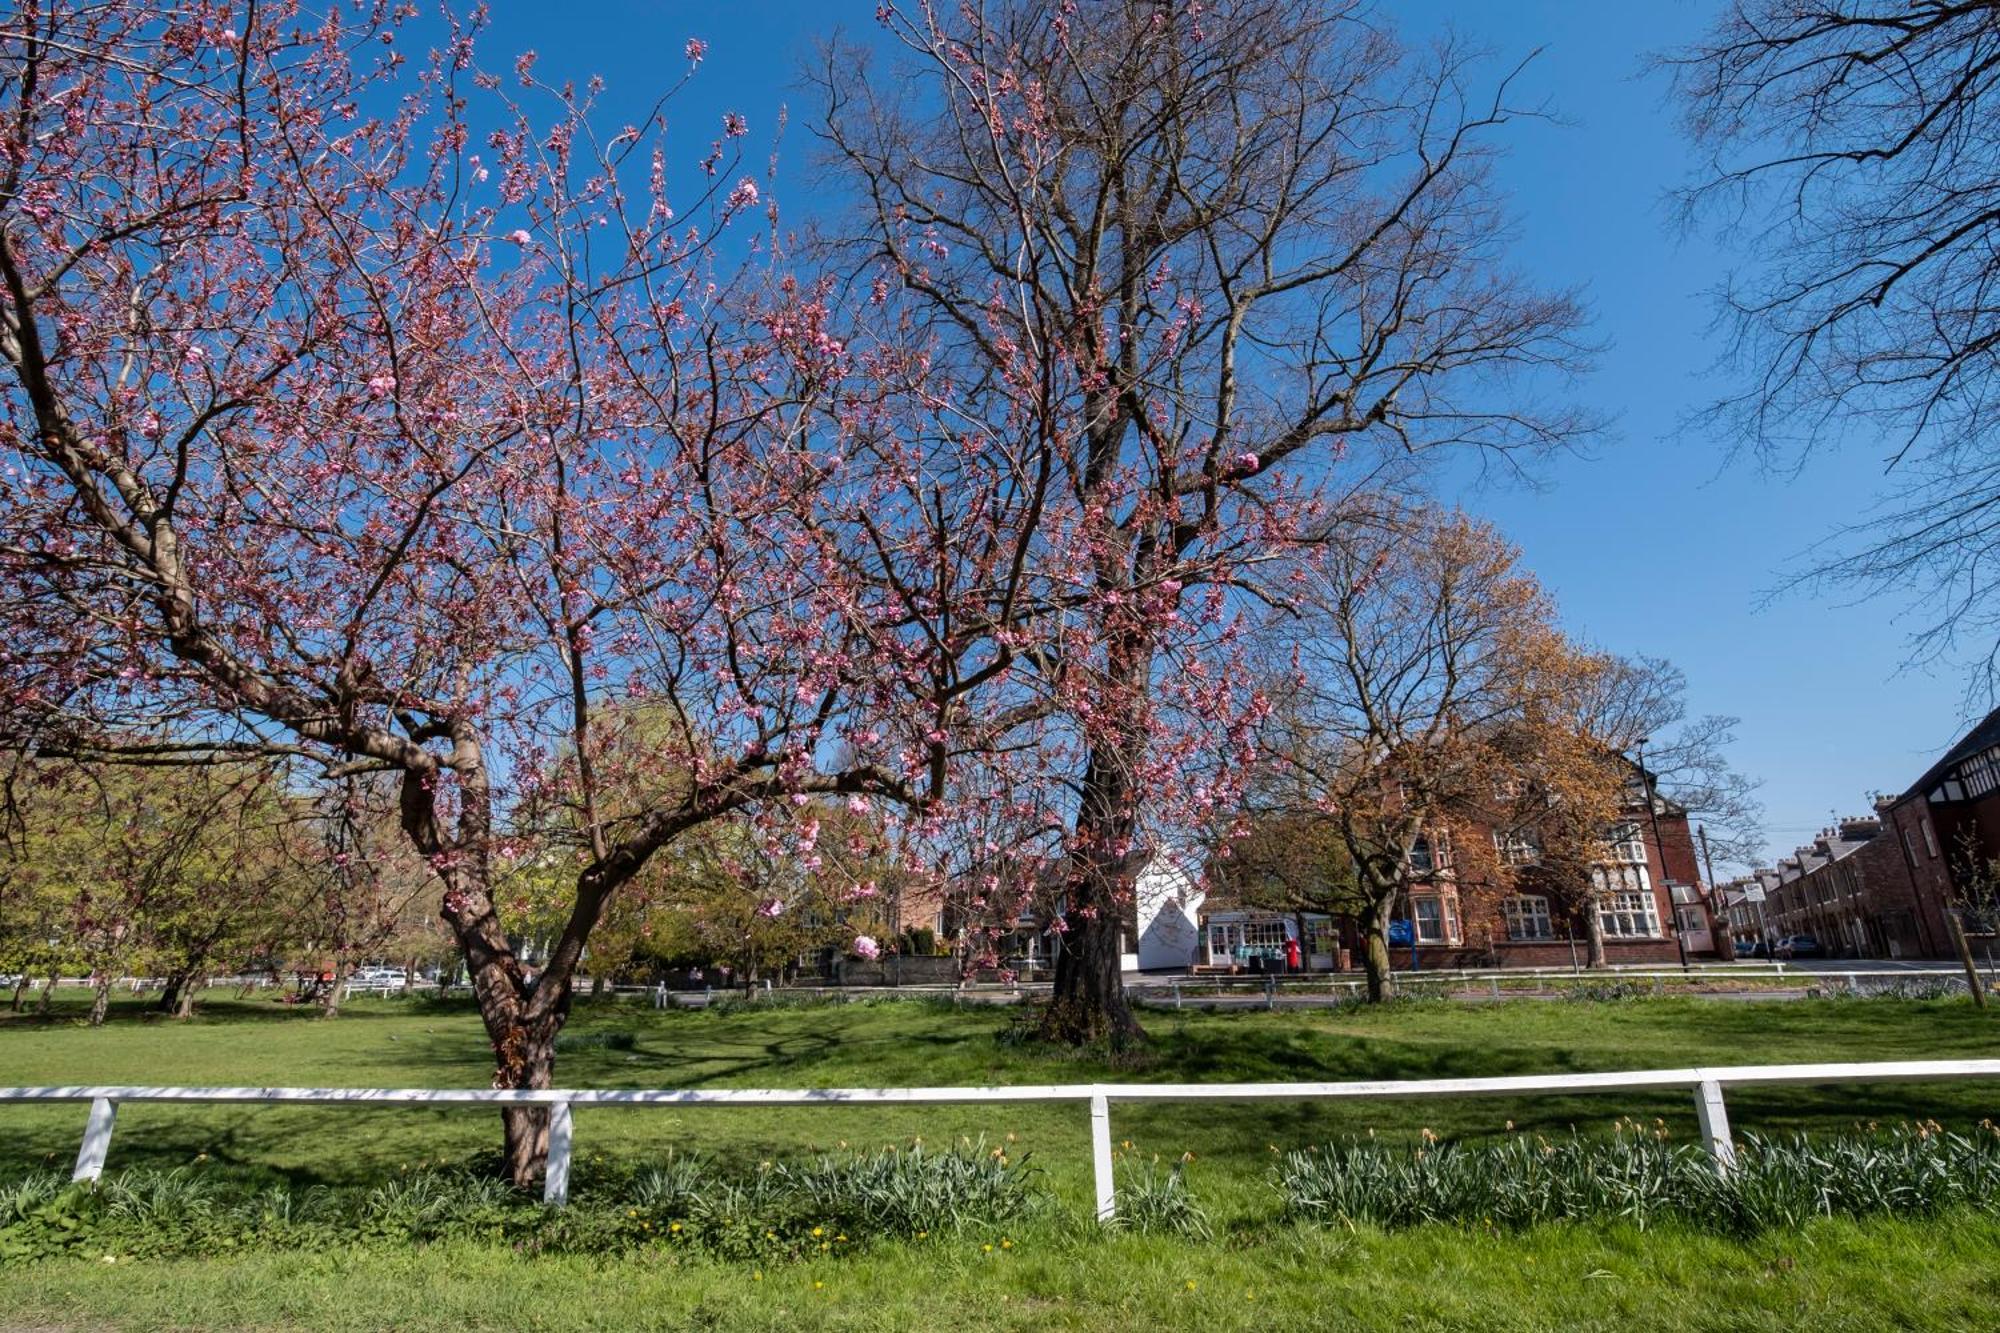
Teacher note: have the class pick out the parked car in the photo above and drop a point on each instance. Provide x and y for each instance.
(1799, 946)
(378, 976)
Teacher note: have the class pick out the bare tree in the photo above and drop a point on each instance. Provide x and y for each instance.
(1185, 271)
(1855, 146)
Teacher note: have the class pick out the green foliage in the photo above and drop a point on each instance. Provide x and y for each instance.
(1642, 1177)
(778, 1210)
(1153, 1202)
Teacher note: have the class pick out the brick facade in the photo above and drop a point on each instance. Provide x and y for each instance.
(1881, 886)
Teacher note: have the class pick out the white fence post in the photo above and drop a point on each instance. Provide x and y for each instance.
(1714, 1117)
(555, 1181)
(1100, 1157)
(96, 1139)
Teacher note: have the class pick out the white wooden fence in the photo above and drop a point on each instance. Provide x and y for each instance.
(1707, 1084)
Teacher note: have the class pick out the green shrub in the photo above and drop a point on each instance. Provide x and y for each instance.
(1153, 1203)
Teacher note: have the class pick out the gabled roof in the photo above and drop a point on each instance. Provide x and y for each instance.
(1982, 737)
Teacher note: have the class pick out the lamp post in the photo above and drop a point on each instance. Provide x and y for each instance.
(1653, 817)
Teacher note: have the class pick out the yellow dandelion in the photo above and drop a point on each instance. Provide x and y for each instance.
(1189, 1284)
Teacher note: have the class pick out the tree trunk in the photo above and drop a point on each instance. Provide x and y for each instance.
(1375, 953)
(1973, 980)
(100, 1000)
(1088, 1002)
(49, 993)
(336, 990)
(170, 995)
(185, 1008)
(1593, 934)
(20, 989)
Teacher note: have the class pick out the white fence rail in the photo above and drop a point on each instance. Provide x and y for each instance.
(1706, 1083)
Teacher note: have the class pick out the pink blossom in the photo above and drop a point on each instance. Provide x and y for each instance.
(744, 195)
(771, 908)
(381, 386)
(734, 125)
(695, 49)
(520, 236)
(865, 946)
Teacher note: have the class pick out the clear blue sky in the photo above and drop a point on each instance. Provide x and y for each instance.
(1655, 544)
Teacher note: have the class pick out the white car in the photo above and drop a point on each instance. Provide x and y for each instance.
(379, 976)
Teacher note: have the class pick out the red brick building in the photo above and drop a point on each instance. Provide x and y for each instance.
(1881, 886)
(1649, 898)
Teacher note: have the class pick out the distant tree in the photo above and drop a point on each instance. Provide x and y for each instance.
(1854, 157)
(165, 873)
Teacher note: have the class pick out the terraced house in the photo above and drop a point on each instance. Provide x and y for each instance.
(1887, 884)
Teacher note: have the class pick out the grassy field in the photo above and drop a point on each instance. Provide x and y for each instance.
(1258, 1273)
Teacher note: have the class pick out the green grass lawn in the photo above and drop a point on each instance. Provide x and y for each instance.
(1258, 1273)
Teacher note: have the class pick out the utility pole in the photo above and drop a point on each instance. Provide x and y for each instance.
(1653, 816)
(1725, 942)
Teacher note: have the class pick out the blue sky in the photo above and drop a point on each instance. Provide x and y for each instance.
(1656, 544)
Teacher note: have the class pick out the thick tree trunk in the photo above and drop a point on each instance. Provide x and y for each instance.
(1593, 934)
(20, 989)
(1088, 1003)
(100, 1000)
(184, 1008)
(1375, 954)
(49, 992)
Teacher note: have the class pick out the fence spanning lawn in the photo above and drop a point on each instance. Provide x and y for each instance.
(1260, 1270)
(1708, 1085)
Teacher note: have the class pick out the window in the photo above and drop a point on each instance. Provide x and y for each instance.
(1431, 852)
(1930, 839)
(1628, 845)
(1628, 915)
(1528, 917)
(1435, 920)
(1518, 848)
(1909, 852)
(1981, 774)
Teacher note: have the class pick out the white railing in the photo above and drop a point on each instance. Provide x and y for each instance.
(1707, 1084)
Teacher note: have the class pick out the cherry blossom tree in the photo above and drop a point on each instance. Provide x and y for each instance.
(1178, 274)
(380, 411)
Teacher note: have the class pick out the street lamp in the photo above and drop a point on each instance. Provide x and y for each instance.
(1653, 817)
